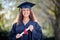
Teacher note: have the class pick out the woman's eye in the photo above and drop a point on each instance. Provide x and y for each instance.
(23, 10)
(27, 10)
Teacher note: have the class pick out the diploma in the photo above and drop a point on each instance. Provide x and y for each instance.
(23, 31)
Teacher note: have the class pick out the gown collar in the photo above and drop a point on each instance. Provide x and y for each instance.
(27, 24)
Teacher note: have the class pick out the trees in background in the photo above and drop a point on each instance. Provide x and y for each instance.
(47, 13)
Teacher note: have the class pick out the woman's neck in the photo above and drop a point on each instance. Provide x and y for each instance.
(26, 19)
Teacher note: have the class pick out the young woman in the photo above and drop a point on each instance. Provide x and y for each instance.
(25, 20)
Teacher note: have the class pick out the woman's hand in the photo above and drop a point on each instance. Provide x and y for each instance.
(18, 36)
(31, 27)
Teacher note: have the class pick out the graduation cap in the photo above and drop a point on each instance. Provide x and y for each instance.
(26, 5)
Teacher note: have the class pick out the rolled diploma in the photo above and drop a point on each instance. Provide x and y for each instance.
(23, 32)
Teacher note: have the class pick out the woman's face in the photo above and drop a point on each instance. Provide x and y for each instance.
(26, 12)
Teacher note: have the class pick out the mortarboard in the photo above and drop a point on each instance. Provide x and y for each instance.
(26, 5)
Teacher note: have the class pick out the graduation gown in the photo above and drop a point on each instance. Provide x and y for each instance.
(36, 33)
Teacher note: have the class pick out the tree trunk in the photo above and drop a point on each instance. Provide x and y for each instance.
(57, 22)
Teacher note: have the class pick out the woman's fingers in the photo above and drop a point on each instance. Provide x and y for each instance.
(31, 27)
(18, 36)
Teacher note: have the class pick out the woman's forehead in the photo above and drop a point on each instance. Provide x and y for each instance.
(25, 8)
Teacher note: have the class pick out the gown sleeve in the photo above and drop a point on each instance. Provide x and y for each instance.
(12, 34)
(37, 32)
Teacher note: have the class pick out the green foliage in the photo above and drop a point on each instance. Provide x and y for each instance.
(0, 6)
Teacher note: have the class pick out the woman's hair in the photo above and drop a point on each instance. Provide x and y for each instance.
(20, 17)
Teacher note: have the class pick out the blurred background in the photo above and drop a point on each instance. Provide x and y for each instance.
(47, 13)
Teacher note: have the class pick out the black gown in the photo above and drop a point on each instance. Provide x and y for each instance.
(36, 34)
